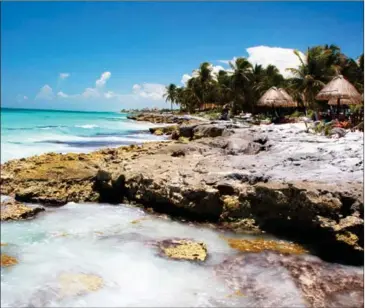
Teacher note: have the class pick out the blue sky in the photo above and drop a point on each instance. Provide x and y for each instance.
(117, 55)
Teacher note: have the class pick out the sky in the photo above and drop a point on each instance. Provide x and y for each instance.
(101, 56)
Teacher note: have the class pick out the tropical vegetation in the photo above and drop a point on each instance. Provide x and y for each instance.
(243, 83)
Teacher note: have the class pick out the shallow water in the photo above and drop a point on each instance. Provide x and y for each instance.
(31, 132)
(110, 242)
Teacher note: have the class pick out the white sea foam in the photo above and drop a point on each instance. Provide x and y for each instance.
(102, 240)
(87, 126)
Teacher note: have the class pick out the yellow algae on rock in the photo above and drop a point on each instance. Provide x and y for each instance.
(136, 221)
(231, 202)
(158, 132)
(7, 260)
(184, 250)
(61, 234)
(350, 239)
(183, 140)
(13, 210)
(259, 245)
(236, 293)
(3, 244)
(78, 284)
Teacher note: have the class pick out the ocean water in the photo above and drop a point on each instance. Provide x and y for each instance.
(30, 132)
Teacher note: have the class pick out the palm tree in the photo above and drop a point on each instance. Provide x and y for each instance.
(240, 80)
(224, 91)
(312, 74)
(202, 82)
(170, 94)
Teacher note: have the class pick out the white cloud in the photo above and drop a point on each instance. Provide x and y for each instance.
(282, 58)
(103, 79)
(154, 91)
(45, 93)
(110, 95)
(64, 75)
(97, 98)
(185, 78)
(61, 94)
(215, 70)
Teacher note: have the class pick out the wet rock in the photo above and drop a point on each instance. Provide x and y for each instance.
(7, 260)
(13, 210)
(164, 130)
(162, 118)
(183, 250)
(259, 245)
(103, 176)
(242, 226)
(178, 153)
(207, 130)
(72, 284)
(273, 280)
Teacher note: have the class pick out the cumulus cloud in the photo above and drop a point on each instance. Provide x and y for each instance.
(185, 78)
(154, 91)
(64, 75)
(282, 58)
(97, 97)
(215, 70)
(61, 94)
(103, 79)
(45, 93)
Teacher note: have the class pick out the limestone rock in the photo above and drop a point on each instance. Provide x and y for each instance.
(183, 250)
(319, 283)
(7, 260)
(13, 210)
(72, 284)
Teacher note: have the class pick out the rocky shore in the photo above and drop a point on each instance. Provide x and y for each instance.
(274, 179)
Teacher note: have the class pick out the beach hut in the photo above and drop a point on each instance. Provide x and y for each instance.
(276, 98)
(290, 102)
(339, 92)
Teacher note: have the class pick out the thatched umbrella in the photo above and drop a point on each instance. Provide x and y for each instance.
(290, 101)
(274, 98)
(339, 92)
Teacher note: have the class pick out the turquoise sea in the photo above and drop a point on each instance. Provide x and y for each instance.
(27, 132)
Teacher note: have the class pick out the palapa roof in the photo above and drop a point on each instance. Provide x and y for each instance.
(276, 98)
(290, 101)
(339, 88)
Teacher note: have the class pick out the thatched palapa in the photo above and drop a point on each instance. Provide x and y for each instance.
(276, 98)
(339, 92)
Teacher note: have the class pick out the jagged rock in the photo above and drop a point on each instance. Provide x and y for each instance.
(183, 250)
(13, 210)
(164, 130)
(320, 284)
(7, 260)
(72, 284)
(242, 146)
(259, 245)
(208, 185)
(103, 176)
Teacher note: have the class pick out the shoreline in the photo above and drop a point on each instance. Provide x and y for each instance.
(203, 180)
